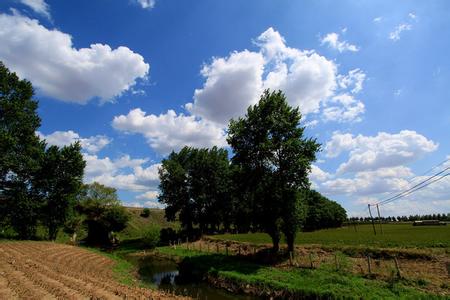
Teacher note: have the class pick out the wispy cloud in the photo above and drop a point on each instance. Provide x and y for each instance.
(146, 4)
(332, 40)
(38, 6)
(395, 35)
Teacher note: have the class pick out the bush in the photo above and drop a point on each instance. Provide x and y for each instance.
(145, 213)
(150, 237)
(168, 235)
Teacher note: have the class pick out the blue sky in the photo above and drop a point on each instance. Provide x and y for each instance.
(135, 79)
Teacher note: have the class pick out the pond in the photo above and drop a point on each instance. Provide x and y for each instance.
(164, 273)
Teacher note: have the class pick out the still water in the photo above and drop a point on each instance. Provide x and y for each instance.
(163, 273)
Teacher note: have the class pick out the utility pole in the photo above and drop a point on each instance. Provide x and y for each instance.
(371, 217)
(379, 218)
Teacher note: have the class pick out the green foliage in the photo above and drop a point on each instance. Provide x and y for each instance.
(145, 213)
(273, 160)
(151, 236)
(60, 179)
(194, 187)
(322, 212)
(103, 212)
(21, 154)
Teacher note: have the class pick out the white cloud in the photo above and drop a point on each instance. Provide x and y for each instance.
(317, 174)
(395, 35)
(91, 144)
(380, 151)
(38, 6)
(412, 16)
(345, 109)
(123, 173)
(146, 4)
(306, 77)
(332, 40)
(170, 131)
(48, 59)
(380, 181)
(150, 195)
(378, 19)
(353, 80)
(232, 84)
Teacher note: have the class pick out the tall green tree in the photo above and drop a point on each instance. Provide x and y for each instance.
(274, 157)
(174, 188)
(59, 182)
(103, 212)
(21, 153)
(194, 185)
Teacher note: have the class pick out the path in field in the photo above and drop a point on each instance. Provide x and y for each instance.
(43, 270)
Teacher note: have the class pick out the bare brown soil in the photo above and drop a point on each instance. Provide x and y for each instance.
(44, 270)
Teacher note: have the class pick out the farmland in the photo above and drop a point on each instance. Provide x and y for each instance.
(43, 270)
(394, 235)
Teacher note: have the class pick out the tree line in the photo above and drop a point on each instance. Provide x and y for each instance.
(411, 218)
(263, 187)
(42, 185)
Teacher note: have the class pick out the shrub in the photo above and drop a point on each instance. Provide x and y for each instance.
(145, 212)
(150, 236)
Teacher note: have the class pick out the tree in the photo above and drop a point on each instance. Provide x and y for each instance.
(194, 186)
(274, 159)
(102, 211)
(59, 181)
(322, 212)
(208, 185)
(174, 188)
(21, 153)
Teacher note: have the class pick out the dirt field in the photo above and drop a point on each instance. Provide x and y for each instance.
(43, 270)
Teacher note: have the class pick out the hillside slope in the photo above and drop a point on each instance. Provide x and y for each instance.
(137, 223)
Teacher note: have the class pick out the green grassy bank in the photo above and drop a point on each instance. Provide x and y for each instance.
(262, 280)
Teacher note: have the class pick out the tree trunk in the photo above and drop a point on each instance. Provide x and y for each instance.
(275, 241)
(290, 241)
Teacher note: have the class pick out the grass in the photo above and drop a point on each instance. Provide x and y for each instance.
(315, 283)
(137, 223)
(394, 235)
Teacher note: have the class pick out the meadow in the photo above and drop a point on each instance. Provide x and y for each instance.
(402, 235)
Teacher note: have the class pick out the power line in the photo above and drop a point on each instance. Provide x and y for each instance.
(418, 188)
(413, 178)
(401, 194)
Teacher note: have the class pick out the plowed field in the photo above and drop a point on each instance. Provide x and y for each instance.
(43, 270)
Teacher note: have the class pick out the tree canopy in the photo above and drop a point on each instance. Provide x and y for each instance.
(194, 186)
(275, 158)
(37, 183)
(103, 212)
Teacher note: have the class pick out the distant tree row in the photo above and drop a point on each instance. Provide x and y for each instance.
(41, 184)
(265, 186)
(440, 217)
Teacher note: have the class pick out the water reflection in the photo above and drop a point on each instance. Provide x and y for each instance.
(163, 273)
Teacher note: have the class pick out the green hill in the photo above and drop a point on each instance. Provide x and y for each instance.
(138, 223)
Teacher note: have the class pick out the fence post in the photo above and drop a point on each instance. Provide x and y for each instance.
(290, 257)
(311, 261)
(397, 267)
(217, 248)
(226, 249)
(336, 261)
(368, 264)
